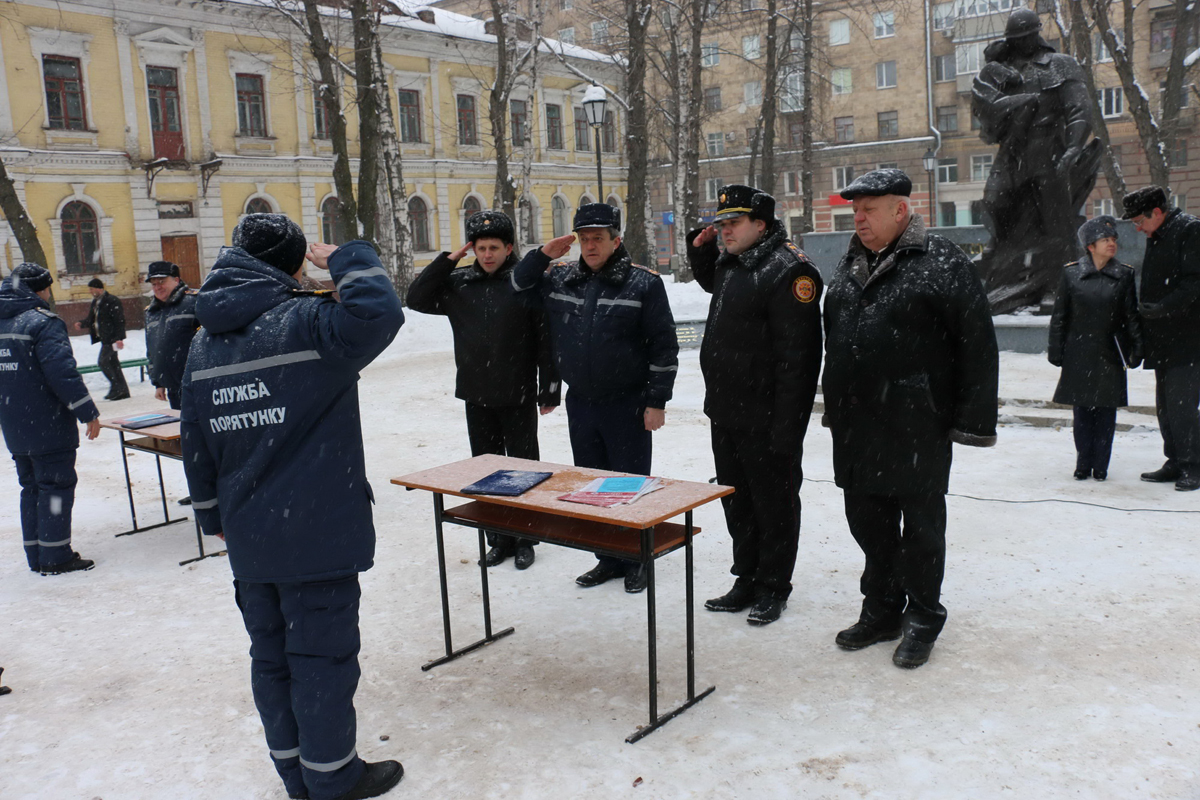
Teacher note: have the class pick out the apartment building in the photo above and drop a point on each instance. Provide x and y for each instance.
(145, 129)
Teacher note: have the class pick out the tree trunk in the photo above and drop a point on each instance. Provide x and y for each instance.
(806, 139)
(637, 239)
(22, 226)
(504, 193)
(1081, 44)
(1149, 131)
(770, 101)
(369, 99)
(343, 177)
(395, 241)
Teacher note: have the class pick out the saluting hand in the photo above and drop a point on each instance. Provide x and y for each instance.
(705, 236)
(462, 251)
(557, 248)
(319, 253)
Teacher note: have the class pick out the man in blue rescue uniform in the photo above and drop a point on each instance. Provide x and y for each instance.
(273, 450)
(42, 397)
(170, 326)
(614, 342)
(501, 349)
(761, 358)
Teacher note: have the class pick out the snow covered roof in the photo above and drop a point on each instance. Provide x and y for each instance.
(454, 25)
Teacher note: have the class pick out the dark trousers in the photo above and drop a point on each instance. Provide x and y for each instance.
(763, 515)
(1177, 398)
(1093, 429)
(304, 672)
(110, 365)
(175, 398)
(902, 579)
(610, 436)
(47, 496)
(509, 431)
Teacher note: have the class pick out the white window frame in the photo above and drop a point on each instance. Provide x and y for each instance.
(842, 177)
(881, 75)
(944, 15)
(600, 31)
(791, 98)
(1112, 101)
(1102, 205)
(752, 93)
(710, 54)
(717, 139)
(952, 60)
(885, 24)
(981, 167)
(712, 187)
(839, 32)
(947, 170)
(751, 47)
(566, 35)
(842, 87)
(968, 58)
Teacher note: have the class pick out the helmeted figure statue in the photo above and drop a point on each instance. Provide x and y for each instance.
(1033, 102)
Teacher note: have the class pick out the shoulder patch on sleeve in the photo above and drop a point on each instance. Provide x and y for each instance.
(647, 269)
(804, 289)
(312, 292)
(47, 312)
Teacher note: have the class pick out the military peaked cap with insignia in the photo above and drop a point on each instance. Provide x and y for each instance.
(490, 225)
(736, 199)
(878, 183)
(1143, 201)
(161, 269)
(1094, 230)
(33, 277)
(597, 215)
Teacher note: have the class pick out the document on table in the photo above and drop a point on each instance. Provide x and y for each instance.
(608, 492)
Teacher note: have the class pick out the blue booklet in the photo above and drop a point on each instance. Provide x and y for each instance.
(507, 482)
(146, 421)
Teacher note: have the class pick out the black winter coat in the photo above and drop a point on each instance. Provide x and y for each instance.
(170, 327)
(106, 319)
(613, 333)
(911, 365)
(501, 341)
(42, 395)
(761, 355)
(1095, 327)
(1170, 292)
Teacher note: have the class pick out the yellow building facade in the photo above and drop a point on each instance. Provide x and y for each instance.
(136, 131)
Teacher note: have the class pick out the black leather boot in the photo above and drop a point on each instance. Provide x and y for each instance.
(378, 778)
(739, 598)
(912, 653)
(864, 634)
(1165, 474)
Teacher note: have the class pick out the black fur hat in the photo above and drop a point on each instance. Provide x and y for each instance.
(1143, 201)
(32, 276)
(272, 238)
(490, 225)
(878, 183)
(1098, 228)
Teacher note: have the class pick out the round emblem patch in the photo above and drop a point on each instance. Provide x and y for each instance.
(803, 289)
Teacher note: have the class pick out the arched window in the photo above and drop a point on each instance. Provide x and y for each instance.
(585, 199)
(613, 201)
(562, 225)
(257, 205)
(80, 238)
(331, 221)
(471, 206)
(418, 223)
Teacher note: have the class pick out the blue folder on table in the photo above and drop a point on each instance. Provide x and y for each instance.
(507, 482)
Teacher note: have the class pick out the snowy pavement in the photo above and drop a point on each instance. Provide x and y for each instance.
(1068, 667)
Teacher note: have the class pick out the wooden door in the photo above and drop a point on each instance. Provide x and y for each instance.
(162, 85)
(184, 251)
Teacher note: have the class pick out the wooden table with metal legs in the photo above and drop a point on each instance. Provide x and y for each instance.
(637, 532)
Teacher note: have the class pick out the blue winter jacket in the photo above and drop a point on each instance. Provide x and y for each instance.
(612, 330)
(272, 442)
(170, 327)
(42, 395)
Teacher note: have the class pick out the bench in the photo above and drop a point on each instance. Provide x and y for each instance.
(140, 363)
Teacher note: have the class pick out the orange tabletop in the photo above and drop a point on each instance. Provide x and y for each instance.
(674, 498)
(166, 431)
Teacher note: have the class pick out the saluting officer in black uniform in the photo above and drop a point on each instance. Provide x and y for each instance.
(761, 357)
(615, 346)
(501, 349)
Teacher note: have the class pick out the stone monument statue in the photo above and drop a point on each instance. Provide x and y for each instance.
(1033, 102)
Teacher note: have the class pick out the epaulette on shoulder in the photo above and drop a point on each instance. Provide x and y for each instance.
(557, 264)
(47, 312)
(191, 291)
(800, 254)
(644, 268)
(312, 293)
(1071, 263)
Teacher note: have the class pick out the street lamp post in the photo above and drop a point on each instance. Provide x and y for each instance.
(594, 102)
(929, 161)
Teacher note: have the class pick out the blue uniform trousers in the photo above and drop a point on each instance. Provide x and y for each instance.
(47, 496)
(304, 670)
(612, 436)
(1093, 429)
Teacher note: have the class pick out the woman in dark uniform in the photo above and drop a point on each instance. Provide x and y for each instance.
(1095, 334)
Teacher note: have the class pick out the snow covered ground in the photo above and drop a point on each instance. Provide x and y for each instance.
(1068, 667)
